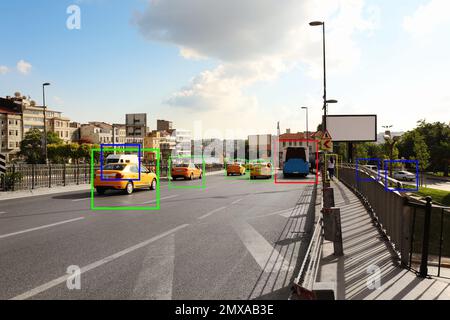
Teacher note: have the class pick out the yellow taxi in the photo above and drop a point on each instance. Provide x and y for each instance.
(186, 171)
(235, 169)
(261, 170)
(124, 176)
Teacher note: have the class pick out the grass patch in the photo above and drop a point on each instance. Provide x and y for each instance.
(439, 196)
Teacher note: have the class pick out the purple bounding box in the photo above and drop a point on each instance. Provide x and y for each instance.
(359, 179)
(123, 148)
(402, 175)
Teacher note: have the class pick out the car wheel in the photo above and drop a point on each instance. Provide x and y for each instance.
(201, 176)
(153, 184)
(191, 177)
(101, 190)
(129, 188)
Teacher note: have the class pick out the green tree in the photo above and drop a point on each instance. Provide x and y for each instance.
(31, 147)
(436, 136)
(53, 138)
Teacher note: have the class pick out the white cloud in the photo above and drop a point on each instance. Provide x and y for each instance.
(58, 100)
(4, 69)
(427, 18)
(253, 41)
(24, 67)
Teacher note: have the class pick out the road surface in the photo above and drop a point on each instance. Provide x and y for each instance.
(238, 239)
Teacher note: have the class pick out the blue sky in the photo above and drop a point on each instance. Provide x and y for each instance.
(237, 66)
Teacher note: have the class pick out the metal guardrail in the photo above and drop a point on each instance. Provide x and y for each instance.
(34, 176)
(310, 266)
(405, 222)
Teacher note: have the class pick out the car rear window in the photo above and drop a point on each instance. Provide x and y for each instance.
(181, 165)
(119, 167)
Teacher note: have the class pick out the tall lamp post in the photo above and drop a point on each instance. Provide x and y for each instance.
(45, 121)
(307, 127)
(317, 24)
(390, 141)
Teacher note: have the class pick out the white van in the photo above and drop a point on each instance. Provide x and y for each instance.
(122, 158)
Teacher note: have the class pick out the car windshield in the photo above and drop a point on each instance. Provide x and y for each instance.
(118, 167)
(181, 165)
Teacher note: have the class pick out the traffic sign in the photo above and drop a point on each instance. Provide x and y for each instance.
(326, 145)
(326, 136)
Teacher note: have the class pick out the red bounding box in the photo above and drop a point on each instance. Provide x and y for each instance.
(300, 141)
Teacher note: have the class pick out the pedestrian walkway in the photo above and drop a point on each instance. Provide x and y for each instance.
(369, 260)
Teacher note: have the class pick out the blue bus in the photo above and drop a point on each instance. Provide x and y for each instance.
(296, 163)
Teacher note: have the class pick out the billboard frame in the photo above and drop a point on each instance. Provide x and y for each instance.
(351, 116)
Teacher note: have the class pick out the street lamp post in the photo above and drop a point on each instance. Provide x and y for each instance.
(45, 121)
(316, 24)
(390, 141)
(307, 127)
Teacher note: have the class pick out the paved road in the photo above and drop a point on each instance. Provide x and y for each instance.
(235, 240)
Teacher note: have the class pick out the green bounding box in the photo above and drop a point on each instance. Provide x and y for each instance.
(243, 161)
(127, 208)
(272, 170)
(171, 185)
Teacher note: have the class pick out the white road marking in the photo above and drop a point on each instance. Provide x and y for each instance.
(83, 199)
(267, 257)
(39, 228)
(237, 201)
(2, 212)
(285, 213)
(211, 213)
(154, 282)
(94, 265)
(164, 198)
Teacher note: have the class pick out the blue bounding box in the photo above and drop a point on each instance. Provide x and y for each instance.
(359, 179)
(124, 146)
(386, 185)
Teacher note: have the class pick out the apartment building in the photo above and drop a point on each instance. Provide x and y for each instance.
(10, 131)
(136, 128)
(164, 125)
(183, 142)
(96, 133)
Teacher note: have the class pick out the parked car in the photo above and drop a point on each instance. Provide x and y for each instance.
(124, 177)
(186, 171)
(404, 175)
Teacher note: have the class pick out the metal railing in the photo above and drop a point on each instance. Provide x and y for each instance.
(34, 176)
(418, 231)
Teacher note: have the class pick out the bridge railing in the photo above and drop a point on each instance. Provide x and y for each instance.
(418, 231)
(34, 176)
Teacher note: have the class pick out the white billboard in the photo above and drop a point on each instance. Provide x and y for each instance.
(352, 128)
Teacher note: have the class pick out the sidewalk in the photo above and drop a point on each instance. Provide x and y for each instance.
(10, 195)
(365, 249)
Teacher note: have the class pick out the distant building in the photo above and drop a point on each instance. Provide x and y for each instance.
(10, 129)
(152, 141)
(183, 142)
(234, 149)
(260, 147)
(74, 128)
(298, 139)
(163, 125)
(136, 128)
(96, 133)
(167, 144)
(119, 133)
